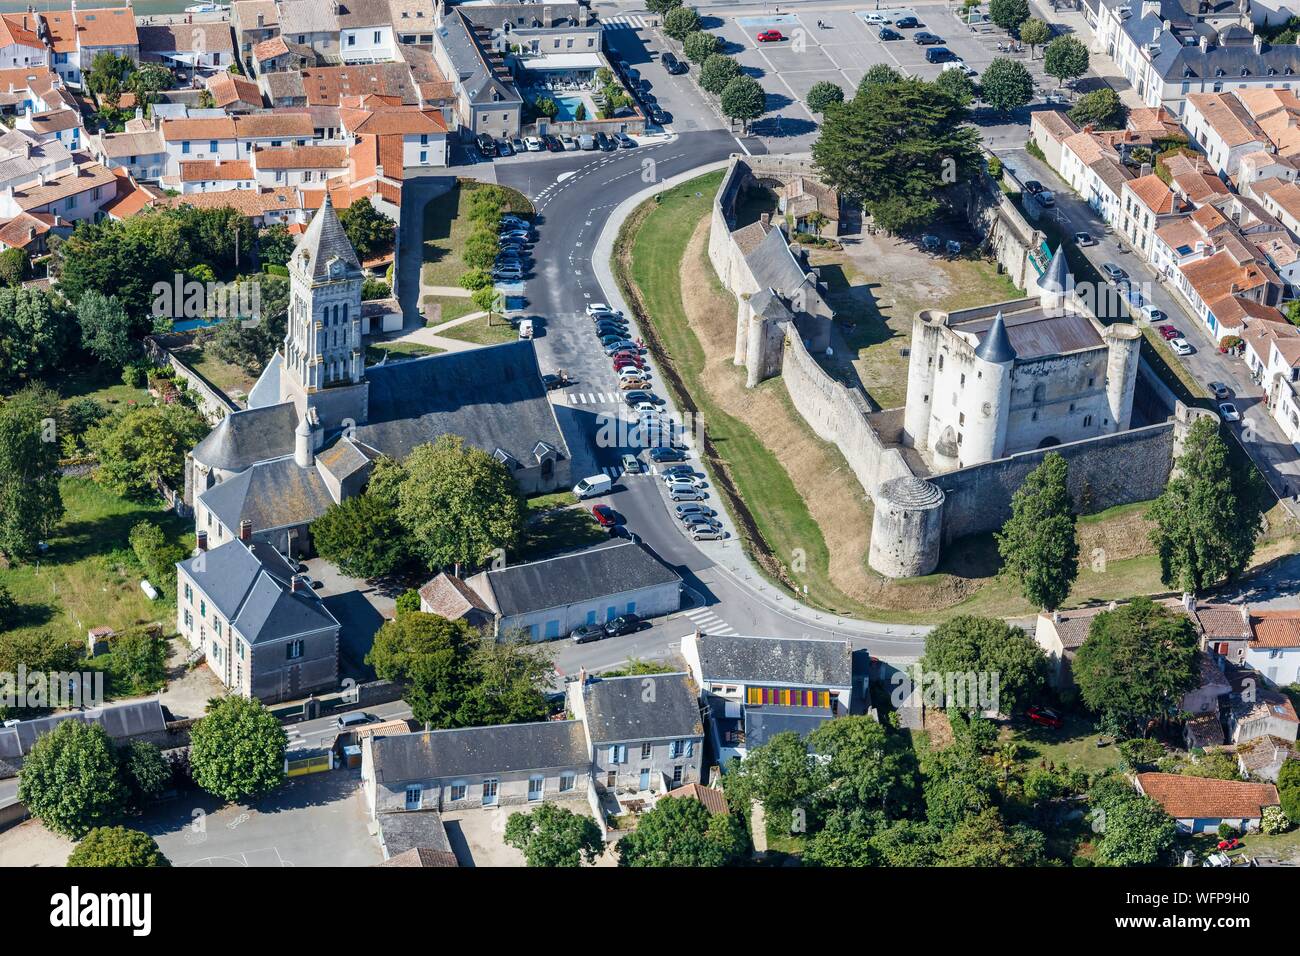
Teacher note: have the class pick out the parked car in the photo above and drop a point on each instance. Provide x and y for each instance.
(604, 516)
(552, 382)
(587, 633)
(707, 534)
(686, 510)
(1047, 198)
(1219, 390)
(678, 470)
(887, 34)
(686, 493)
(770, 36)
(1045, 717)
(593, 486)
(509, 272)
(1033, 187)
(606, 142)
(874, 17)
(623, 624)
(534, 144)
(568, 141)
(1084, 239)
(1113, 272)
(621, 346)
(504, 148)
(356, 718)
(1229, 412)
(658, 116)
(628, 384)
(632, 464)
(486, 145)
(595, 307)
(1181, 346)
(1168, 332)
(926, 38)
(518, 145)
(691, 522)
(636, 398)
(938, 54)
(1151, 313)
(553, 143)
(907, 23)
(586, 142)
(673, 65)
(662, 454)
(624, 141)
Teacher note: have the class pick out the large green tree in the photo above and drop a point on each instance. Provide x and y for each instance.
(680, 22)
(743, 100)
(683, 833)
(822, 94)
(879, 74)
(1004, 659)
(106, 329)
(144, 446)
(1038, 545)
(34, 335)
(70, 780)
(1136, 829)
(144, 770)
(865, 769)
(30, 502)
(1065, 58)
(784, 778)
(1009, 14)
(369, 230)
(1034, 33)
(237, 749)
(1288, 789)
(1208, 516)
(1136, 663)
(553, 835)
(117, 847)
(249, 342)
(716, 72)
(984, 840)
(362, 535)
(699, 46)
(896, 147)
(459, 503)
(1006, 85)
(1101, 108)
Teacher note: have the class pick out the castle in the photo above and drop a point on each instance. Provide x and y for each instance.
(318, 417)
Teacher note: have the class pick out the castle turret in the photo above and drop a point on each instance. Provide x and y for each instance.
(987, 397)
(907, 527)
(1056, 286)
(1124, 343)
(303, 454)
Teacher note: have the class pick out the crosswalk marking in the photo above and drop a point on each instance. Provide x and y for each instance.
(612, 470)
(594, 398)
(631, 22)
(710, 623)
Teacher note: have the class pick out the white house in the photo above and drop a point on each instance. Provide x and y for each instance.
(1200, 804)
(365, 31)
(1224, 130)
(1274, 648)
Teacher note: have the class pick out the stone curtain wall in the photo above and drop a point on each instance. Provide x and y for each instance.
(838, 414)
(1104, 472)
(213, 403)
(1011, 239)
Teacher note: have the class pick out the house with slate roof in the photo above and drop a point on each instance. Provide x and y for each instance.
(756, 687)
(261, 628)
(645, 733)
(318, 418)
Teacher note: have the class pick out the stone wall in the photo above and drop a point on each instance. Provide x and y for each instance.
(1111, 470)
(1011, 239)
(212, 402)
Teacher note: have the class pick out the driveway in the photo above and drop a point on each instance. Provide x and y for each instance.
(477, 836)
(361, 609)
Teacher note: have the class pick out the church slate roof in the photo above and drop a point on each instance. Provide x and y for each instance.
(242, 439)
(267, 390)
(271, 494)
(492, 397)
(774, 266)
(325, 240)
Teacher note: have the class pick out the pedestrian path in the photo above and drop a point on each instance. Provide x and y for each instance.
(630, 22)
(595, 398)
(710, 623)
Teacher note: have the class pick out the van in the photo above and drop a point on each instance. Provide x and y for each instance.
(594, 485)
(938, 54)
(526, 329)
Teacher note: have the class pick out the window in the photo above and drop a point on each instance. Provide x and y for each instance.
(189, 594)
(568, 780)
(216, 626)
(535, 788)
(203, 609)
(646, 750)
(239, 648)
(618, 753)
(378, 38)
(185, 146)
(677, 775)
(352, 39)
(1087, 421)
(189, 620)
(458, 790)
(216, 652)
(293, 650)
(414, 797)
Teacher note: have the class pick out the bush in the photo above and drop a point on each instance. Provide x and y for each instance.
(134, 374)
(407, 602)
(117, 847)
(1227, 831)
(157, 558)
(137, 662)
(475, 279)
(1141, 752)
(372, 289)
(272, 269)
(1274, 820)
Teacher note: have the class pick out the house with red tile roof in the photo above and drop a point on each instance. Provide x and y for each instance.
(1274, 647)
(20, 47)
(1146, 203)
(1201, 804)
(77, 36)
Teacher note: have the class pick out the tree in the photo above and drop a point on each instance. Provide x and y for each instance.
(458, 503)
(1101, 108)
(144, 446)
(430, 656)
(957, 85)
(1009, 14)
(145, 771)
(880, 74)
(1138, 832)
(1208, 516)
(362, 535)
(510, 679)
(237, 749)
(683, 833)
(369, 230)
(1288, 789)
(699, 46)
(275, 244)
(33, 335)
(716, 72)
(1065, 58)
(475, 279)
(137, 663)
(105, 329)
(1006, 85)
(1038, 545)
(983, 839)
(70, 779)
(896, 147)
(661, 7)
(554, 836)
(30, 502)
(407, 602)
(783, 778)
(1034, 32)
(13, 267)
(743, 99)
(1136, 663)
(108, 76)
(488, 300)
(251, 343)
(993, 651)
(117, 847)
(680, 22)
(863, 767)
(8, 608)
(843, 841)
(822, 94)
(480, 249)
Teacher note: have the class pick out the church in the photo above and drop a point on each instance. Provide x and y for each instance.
(318, 417)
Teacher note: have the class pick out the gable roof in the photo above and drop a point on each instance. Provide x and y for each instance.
(270, 494)
(1280, 629)
(714, 801)
(1185, 797)
(450, 597)
(775, 660)
(473, 751)
(644, 707)
(244, 438)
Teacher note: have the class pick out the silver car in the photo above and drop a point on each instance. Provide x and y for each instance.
(707, 534)
(685, 492)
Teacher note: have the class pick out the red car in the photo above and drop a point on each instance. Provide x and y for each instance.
(1048, 718)
(604, 515)
(624, 361)
(1168, 331)
(1229, 844)
(770, 36)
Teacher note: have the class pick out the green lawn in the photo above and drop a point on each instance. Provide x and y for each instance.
(480, 332)
(449, 308)
(396, 351)
(447, 226)
(228, 377)
(1074, 745)
(557, 522)
(89, 576)
(100, 383)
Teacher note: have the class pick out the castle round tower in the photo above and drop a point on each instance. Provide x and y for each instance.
(1124, 343)
(987, 396)
(907, 527)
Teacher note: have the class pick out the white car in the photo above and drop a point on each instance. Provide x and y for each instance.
(873, 17)
(1182, 346)
(594, 307)
(534, 144)
(959, 64)
(1229, 412)
(568, 142)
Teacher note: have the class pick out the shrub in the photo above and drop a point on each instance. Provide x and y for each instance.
(1274, 820)
(407, 602)
(1227, 831)
(375, 289)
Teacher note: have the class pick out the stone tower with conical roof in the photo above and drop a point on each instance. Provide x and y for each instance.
(324, 361)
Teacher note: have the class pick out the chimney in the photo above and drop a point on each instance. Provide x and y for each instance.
(1156, 31)
(293, 583)
(1189, 602)
(765, 218)
(201, 540)
(1056, 617)
(582, 676)
(246, 530)
(31, 233)
(1245, 614)
(1145, 170)
(1205, 42)
(261, 20)
(1259, 43)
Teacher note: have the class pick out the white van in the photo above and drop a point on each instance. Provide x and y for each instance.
(593, 486)
(526, 329)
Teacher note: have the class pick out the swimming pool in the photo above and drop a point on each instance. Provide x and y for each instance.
(569, 108)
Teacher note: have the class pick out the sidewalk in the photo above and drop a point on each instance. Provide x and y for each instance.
(1099, 63)
(428, 335)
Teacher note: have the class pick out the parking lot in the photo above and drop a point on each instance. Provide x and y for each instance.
(843, 49)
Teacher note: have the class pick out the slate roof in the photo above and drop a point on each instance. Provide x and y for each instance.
(416, 838)
(270, 494)
(996, 346)
(244, 438)
(120, 721)
(615, 568)
(250, 585)
(473, 751)
(473, 72)
(324, 241)
(1031, 334)
(267, 390)
(625, 709)
(492, 397)
(1202, 797)
(1058, 278)
(773, 660)
(764, 723)
(775, 267)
